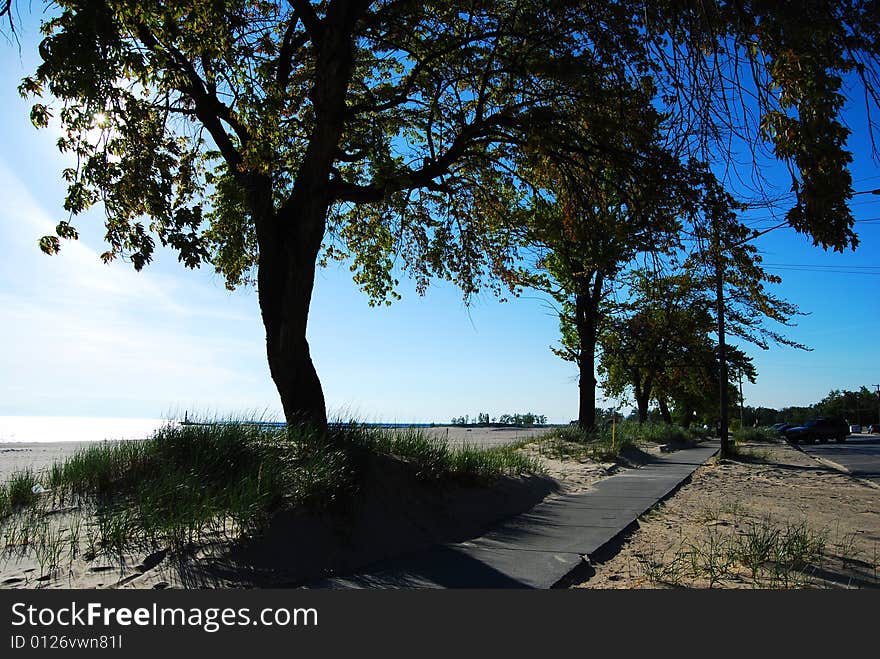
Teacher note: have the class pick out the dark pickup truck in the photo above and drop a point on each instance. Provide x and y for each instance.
(818, 429)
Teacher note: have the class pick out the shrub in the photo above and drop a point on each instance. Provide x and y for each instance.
(755, 435)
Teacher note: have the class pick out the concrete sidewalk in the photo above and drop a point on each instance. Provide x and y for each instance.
(542, 547)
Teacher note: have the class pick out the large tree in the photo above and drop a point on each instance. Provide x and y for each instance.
(592, 212)
(663, 325)
(687, 390)
(247, 133)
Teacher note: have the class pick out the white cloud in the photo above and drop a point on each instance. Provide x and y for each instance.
(76, 329)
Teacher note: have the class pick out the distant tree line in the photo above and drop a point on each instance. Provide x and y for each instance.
(527, 419)
(857, 407)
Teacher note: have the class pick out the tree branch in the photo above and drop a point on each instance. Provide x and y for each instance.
(303, 10)
(208, 107)
(291, 43)
(423, 177)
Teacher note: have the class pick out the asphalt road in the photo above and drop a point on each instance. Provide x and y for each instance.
(860, 454)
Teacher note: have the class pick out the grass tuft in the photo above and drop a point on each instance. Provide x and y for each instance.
(759, 553)
(606, 444)
(18, 492)
(435, 460)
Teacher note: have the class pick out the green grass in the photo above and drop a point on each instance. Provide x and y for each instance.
(17, 492)
(603, 444)
(436, 460)
(755, 435)
(188, 481)
(194, 483)
(758, 553)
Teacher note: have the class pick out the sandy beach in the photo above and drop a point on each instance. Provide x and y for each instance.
(485, 437)
(18, 456)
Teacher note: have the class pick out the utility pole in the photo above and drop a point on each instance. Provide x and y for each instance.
(722, 363)
(722, 348)
(878, 402)
(742, 401)
(723, 420)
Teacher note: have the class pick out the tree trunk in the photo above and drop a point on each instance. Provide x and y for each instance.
(687, 416)
(585, 309)
(642, 389)
(664, 410)
(722, 356)
(285, 277)
(290, 238)
(643, 395)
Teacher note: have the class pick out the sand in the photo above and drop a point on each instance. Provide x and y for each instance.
(486, 437)
(773, 486)
(18, 456)
(779, 489)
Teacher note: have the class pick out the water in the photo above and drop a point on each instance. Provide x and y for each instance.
(74, 429)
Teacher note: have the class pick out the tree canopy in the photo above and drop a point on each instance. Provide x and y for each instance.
(196, 115)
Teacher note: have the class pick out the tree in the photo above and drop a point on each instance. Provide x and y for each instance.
(687, 391)
(725, 260)
(663, 324)
(770, 77)
(592, 212)
(857, 407)
(255, 134)
(660, 347)
(761, 416)
(248, 133)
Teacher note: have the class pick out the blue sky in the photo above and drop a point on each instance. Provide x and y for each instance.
(81, 338)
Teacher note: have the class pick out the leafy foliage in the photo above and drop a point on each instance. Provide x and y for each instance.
(860, 406)
(482, 419)
(190, 120)
(201, 118)
(664, 325)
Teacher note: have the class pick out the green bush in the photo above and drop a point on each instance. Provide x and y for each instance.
(755, 435)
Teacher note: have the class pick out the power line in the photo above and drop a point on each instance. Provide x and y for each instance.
(869, 220)
(771, 205)
(769, 218)
(827, 272)
(820, 265)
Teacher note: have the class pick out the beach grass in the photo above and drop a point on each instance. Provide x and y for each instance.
(760, 553)
(436, 460)
(607, 444)
(756, 435)
(226, 480)
(17, 492)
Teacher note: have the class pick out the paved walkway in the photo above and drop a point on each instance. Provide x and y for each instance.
(540, 548)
